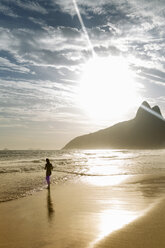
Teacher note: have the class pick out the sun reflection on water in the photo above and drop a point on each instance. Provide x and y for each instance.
(106, 180)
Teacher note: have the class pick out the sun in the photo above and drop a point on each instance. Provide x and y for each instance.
(107, 88)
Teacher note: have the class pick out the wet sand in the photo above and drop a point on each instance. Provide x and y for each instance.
(80, 214)
(146, 232)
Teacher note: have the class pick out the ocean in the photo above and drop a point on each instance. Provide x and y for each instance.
(22, 172)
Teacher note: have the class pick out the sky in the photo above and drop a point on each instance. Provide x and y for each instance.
(55, 57)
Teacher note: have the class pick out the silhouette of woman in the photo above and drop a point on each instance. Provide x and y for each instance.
(48, 168)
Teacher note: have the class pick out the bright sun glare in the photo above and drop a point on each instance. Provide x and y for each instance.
(107, 88)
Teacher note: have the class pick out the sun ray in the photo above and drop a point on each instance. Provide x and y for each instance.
(84, 28)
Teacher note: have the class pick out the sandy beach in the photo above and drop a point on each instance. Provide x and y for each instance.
(80, 214)
(147, 231)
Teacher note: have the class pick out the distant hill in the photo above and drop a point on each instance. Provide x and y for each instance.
(145, 131)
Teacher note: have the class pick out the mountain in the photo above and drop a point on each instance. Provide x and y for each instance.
(145, 131)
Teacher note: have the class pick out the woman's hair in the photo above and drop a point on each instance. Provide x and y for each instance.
(47, 160)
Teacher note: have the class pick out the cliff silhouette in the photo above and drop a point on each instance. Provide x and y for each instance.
(145, 131)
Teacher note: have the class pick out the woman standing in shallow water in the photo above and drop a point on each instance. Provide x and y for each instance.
(48, 168)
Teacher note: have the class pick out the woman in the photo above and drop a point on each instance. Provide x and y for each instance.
(48, 168)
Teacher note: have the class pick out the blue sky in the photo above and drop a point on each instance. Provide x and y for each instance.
(42, 52)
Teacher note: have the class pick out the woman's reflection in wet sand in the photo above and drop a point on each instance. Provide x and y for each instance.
(50, 207)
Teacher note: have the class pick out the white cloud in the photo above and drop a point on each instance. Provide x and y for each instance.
(95, 6)
(42, 99)
(6, 65)
(33, 6)
(8, 40)
(144, 7)
(7, 10)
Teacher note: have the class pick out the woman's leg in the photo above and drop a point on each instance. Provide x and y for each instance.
(48, 180)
